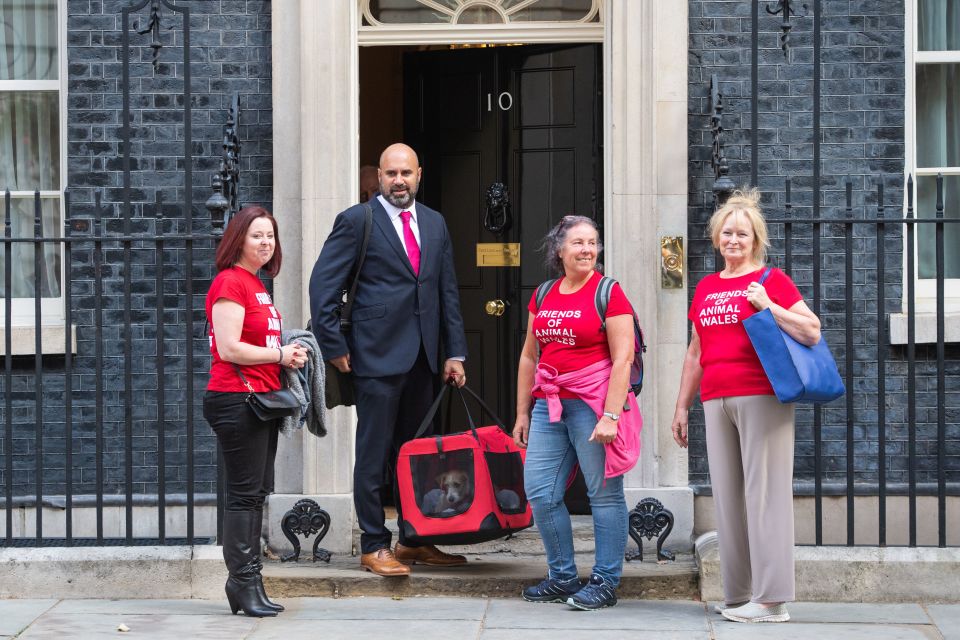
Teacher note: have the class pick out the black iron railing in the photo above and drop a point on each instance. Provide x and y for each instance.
(844, 305)
(854, 256)
(103, 402)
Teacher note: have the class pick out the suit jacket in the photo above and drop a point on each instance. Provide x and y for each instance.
(395, 311)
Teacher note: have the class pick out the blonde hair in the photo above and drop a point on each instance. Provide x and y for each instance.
(746, 202)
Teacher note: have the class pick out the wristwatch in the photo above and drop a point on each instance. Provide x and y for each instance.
(612, 416)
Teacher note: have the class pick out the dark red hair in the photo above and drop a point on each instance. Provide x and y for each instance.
(231, 246)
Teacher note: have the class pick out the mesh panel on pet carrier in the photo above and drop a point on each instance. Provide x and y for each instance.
(506, 474)
(443, 482)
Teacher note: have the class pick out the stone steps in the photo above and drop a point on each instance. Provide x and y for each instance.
(499, 568)
(526, 542)
(487, 574)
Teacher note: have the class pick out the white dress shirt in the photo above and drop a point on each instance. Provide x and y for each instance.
(394, 214)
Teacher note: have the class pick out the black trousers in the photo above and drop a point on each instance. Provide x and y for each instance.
(389, 410)
(249, 448)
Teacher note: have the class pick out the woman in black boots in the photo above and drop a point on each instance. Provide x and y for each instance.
(246, 357)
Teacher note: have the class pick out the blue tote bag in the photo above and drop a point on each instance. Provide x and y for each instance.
(798, 373)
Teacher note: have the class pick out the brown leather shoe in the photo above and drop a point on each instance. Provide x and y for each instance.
(429, 555)
(383, 563)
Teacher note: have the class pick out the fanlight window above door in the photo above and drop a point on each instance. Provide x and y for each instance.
(391, 12)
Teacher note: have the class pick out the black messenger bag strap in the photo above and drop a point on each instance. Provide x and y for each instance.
(243, 378)
(347, 309)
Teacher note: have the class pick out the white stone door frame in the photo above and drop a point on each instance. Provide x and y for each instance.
(316, 153)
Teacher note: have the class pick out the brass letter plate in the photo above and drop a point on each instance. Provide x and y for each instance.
(498, 254)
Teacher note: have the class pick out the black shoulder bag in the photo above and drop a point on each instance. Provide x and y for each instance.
(269, 405)
(338, 391)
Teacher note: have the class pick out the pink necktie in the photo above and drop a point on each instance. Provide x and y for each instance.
(410, 240)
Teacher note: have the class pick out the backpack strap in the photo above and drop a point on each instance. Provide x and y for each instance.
(543, 290)
(601, 299)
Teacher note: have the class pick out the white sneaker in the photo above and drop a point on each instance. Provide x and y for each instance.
(753, 612)
(719, 608)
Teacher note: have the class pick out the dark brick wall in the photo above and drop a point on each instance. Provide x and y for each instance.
(862, 141)
(229, 53)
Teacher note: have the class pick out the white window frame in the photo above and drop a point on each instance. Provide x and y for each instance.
(23, 320)
(925, 291)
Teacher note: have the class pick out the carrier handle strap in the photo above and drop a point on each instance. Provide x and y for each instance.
(470, 421)
(485, 407)
(432, 411)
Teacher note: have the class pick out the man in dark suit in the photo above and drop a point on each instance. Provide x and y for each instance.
(406, 305)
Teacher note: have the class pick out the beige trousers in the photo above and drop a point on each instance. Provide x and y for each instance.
(750, 452)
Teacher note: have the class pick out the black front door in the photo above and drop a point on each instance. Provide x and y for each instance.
(528, 117)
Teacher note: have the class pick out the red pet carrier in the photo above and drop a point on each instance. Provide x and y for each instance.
(462, 488)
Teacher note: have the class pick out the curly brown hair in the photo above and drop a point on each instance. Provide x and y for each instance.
(555, 238)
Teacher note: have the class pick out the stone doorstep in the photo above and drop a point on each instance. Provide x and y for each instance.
(484, 575)
(344, 537)
(498, 568)
(527, 542)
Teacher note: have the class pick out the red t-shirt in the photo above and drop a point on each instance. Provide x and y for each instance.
(568, 328)
(261, 327)
(730, 364)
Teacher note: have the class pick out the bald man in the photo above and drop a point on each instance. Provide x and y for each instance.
(406, 330)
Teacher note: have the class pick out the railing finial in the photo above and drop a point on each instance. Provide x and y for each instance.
(153, 27)
(785, 7)
(722, 184)
(225, 183)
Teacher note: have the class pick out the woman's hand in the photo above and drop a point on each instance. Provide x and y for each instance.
(757, 296)
(605, 432)
(679, 426)
(294, 355)
(521, 431)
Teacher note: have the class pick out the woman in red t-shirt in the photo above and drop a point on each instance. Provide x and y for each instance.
(246, 356)
(580, 383)
(749, 433)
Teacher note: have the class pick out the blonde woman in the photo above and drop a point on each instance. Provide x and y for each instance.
(750, 434)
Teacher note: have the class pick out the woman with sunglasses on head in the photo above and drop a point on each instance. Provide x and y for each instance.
(575, 372)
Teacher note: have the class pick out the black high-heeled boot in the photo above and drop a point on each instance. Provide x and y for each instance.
(255, 542)
(243, 565)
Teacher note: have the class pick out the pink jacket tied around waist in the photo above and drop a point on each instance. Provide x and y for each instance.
(590, 385)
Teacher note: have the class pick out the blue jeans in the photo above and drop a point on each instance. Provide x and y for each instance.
(552, 450)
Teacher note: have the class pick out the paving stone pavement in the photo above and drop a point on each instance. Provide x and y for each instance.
(427, 618)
